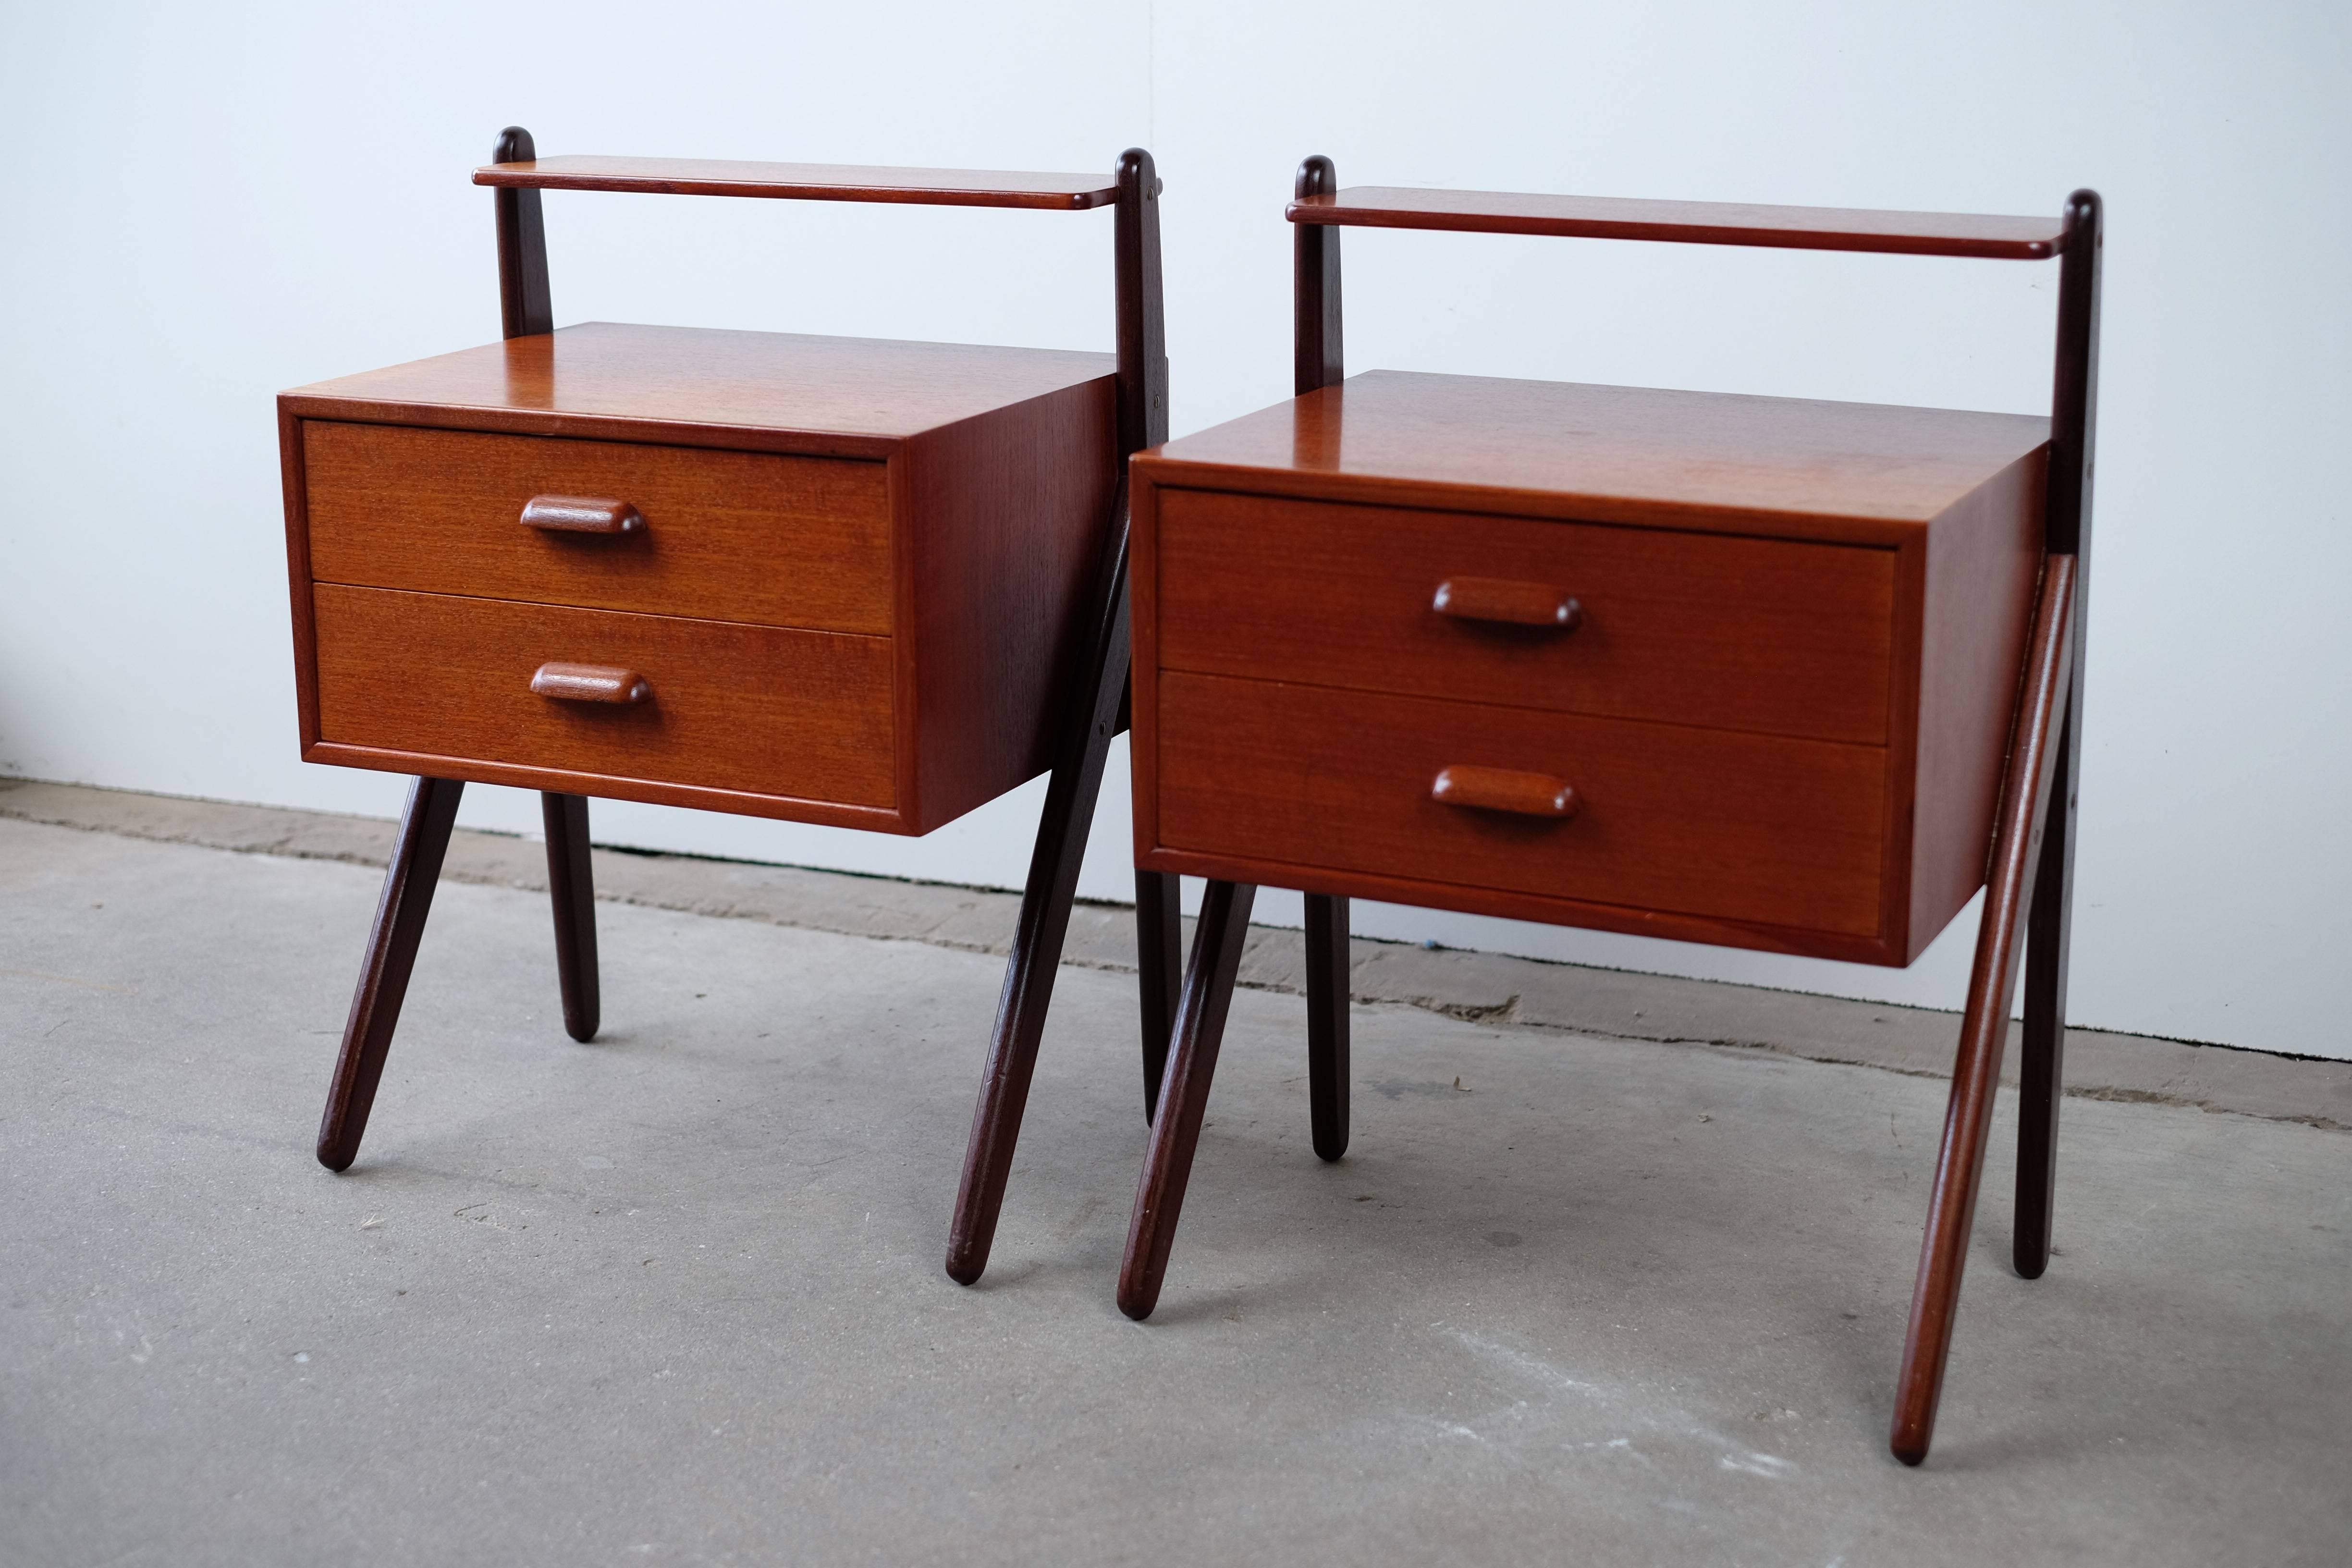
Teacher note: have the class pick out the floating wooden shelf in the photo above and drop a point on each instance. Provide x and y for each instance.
(804, 182)
(1688, 223)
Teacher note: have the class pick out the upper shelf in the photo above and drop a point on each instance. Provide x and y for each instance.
(807, 181)
(1690, 223)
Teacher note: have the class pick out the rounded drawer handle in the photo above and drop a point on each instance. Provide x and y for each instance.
(1502, 789)
(1501, 599)
(582, 514)
(589, 683)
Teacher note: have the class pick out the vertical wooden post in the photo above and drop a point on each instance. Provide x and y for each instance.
(1318, 360)
(1092, 718)
(524, 308)
(2073, 425)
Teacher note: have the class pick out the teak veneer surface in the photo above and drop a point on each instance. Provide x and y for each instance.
(1762, 586)
(805, 182)
(753, 710)
(1701, 822)
(1694, 223)
(737, 536)
(1718, 461)
(1695, 628)
(704, 387)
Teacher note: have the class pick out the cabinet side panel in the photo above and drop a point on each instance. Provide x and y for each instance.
(1984, 559)
(1144, 605)
(290, 431)
(1006, 518)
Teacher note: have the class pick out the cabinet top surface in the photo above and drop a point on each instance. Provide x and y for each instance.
(704, 378)
(1699, 450)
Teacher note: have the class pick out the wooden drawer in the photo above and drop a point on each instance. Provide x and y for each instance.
(1776, 635)
(754, 710)
(1261, 777)
(734, 536)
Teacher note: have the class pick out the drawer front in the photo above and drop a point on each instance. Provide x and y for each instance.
(1704, 822)
(1776, 636)
(757, 708)
(730, 536)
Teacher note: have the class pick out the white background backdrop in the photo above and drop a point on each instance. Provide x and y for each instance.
(198, 209)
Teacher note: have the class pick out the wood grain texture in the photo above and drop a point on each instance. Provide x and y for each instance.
(733, 536)
(791, 714)
(1775, 636)
(1858, 472)
(778, 392)
(1003, 519)
(804, 182)
(1690, 223)
(1702, 822)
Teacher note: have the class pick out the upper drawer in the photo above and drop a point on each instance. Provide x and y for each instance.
(1777, 637)
(730, 536)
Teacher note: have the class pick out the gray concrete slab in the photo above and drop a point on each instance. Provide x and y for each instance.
(1481, 987)
(676, 1296)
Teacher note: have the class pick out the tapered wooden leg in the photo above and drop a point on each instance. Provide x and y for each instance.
(1159, 968)
(416, 855)
(2017, 835)
(1327, 1023)
(572, 884)
(1176, 1131)
(1045, 922)
(2042, 1055)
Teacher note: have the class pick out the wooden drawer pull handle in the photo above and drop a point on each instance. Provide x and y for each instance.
(589, 683)
(582, 514)
(1500, 599)
(1501, 789)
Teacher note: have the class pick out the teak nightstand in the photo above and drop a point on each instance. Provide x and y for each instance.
(1751, 672)
(865, 584)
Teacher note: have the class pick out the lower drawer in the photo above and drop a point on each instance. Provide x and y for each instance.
(753, 708)
(1711, 823)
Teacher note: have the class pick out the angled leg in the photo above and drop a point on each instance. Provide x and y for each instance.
(1327, 1023)
(571, 886)
(1045, 922)
(416, 855)
(1176, 1131)
(2041, 1053)
(1976, 1074)
(1159, 968)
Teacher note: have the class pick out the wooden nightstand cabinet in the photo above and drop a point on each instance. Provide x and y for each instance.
(865, 584)
(1753, 671)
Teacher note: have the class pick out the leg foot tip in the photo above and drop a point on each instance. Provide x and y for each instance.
(336, 1161)
(1136, 1301)
(965, 1270)
(1911, 1450)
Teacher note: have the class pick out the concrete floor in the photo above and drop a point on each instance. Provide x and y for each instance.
(676, 1297)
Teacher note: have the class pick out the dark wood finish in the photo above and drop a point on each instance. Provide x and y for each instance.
(1334, 788)
(580, 514)
(792, 715)
(2016, 855)
(1319, 359)
(1328, 1065)
(525, 305)
(1779, 467)
(799, 182)
(571, 886)
(1160, 971)
(1507, 603)
(1503, 790)
(1790, 638)
(435, 511)
(589, 683)
(416, 854)
(1217, 938)
(1098, 694)
(1688, 223)
(2049, 933)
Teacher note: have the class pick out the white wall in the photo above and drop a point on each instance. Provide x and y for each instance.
(198, 210)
